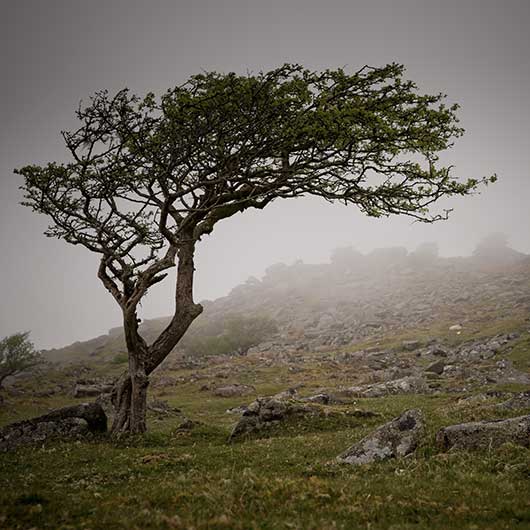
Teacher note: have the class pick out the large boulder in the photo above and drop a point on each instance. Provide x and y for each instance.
(396, 438)
(485, 434)
(69, 422)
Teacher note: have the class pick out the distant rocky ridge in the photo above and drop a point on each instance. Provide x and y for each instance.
(355, 297)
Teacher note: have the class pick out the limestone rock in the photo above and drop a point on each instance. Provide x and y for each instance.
(405, 385)
(397, 438)
(519, 401)
(92, 390)
(485, 434)
(234, 391)
(267, 410)
(69, 422)
(436, 367)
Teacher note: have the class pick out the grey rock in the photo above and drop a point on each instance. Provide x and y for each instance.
(519, 401)
(436, 367)
(397, 438)
(234, 391)
(405, 385)
(410, 345)
(69, 422)
(163, 408)
(81, 390)
(267, 410)
(484, 435)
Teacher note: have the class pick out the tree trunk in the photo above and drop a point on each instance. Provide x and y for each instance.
(130, 393)
(129, 396)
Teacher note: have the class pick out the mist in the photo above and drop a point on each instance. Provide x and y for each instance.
(59, 53)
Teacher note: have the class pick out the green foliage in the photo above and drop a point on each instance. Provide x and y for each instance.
(231, 334)
(17, 354)
(147, 170)
(120, 358)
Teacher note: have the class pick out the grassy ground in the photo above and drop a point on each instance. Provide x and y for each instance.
(284, 478)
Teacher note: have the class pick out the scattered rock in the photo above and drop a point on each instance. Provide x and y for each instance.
(438, 351)
(69, 422)
(234, 391)
(485, 434)
(290, 393)
(188, 425)
(405, 385)
(410, 345)
(93, 390)
(163, 408)
(324, 399)
(237, 410)
(436, 367)
(400, 437)
(519, 401)
(264, 411)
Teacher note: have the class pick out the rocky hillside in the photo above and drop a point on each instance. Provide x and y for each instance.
(356, 297)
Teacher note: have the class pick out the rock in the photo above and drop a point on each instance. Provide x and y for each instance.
(438, 351)
(237, 410)
(436, 367)
(105, 401)
(397, 438)
(405, 385)
(455, 327)
(234, 391)
(188, 425)
(410, 345)
(519, 401)
(324, 399)
(163, 408)
(69, 422)
(485, 435)
(264, 411)
(290, 393)
(81, 390)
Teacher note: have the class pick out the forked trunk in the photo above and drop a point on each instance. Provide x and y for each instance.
(129, 395)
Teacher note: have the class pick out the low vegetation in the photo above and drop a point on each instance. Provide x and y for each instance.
(283, 477)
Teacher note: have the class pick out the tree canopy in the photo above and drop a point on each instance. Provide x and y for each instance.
(149, 172)
(149, 176)
(17, 354)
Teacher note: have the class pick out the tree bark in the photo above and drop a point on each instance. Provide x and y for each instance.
(129, 395)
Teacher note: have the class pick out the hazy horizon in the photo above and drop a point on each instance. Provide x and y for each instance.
(57, 53)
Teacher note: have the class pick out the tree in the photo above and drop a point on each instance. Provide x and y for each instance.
(17, 354)
(149, 177)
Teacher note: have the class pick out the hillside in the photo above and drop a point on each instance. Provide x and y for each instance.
(252, 436)
(305, 307)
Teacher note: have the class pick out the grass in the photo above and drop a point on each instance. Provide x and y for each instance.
(282, 478)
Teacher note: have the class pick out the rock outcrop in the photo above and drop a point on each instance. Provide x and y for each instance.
(69, 422)
(397, 438)
(485, 435)
(265, 411)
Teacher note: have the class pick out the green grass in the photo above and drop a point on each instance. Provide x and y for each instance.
(281, 478)
(284, 478)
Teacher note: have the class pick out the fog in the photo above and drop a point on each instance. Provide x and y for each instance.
(56, 53)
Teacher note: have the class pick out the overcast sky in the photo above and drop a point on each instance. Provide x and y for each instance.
(55, 53)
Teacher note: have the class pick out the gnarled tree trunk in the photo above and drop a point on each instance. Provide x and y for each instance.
(129, 395)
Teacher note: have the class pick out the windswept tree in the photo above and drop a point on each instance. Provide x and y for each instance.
(149, 177)
(17, 354)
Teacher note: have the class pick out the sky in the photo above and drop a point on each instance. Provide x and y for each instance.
(55, 53)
